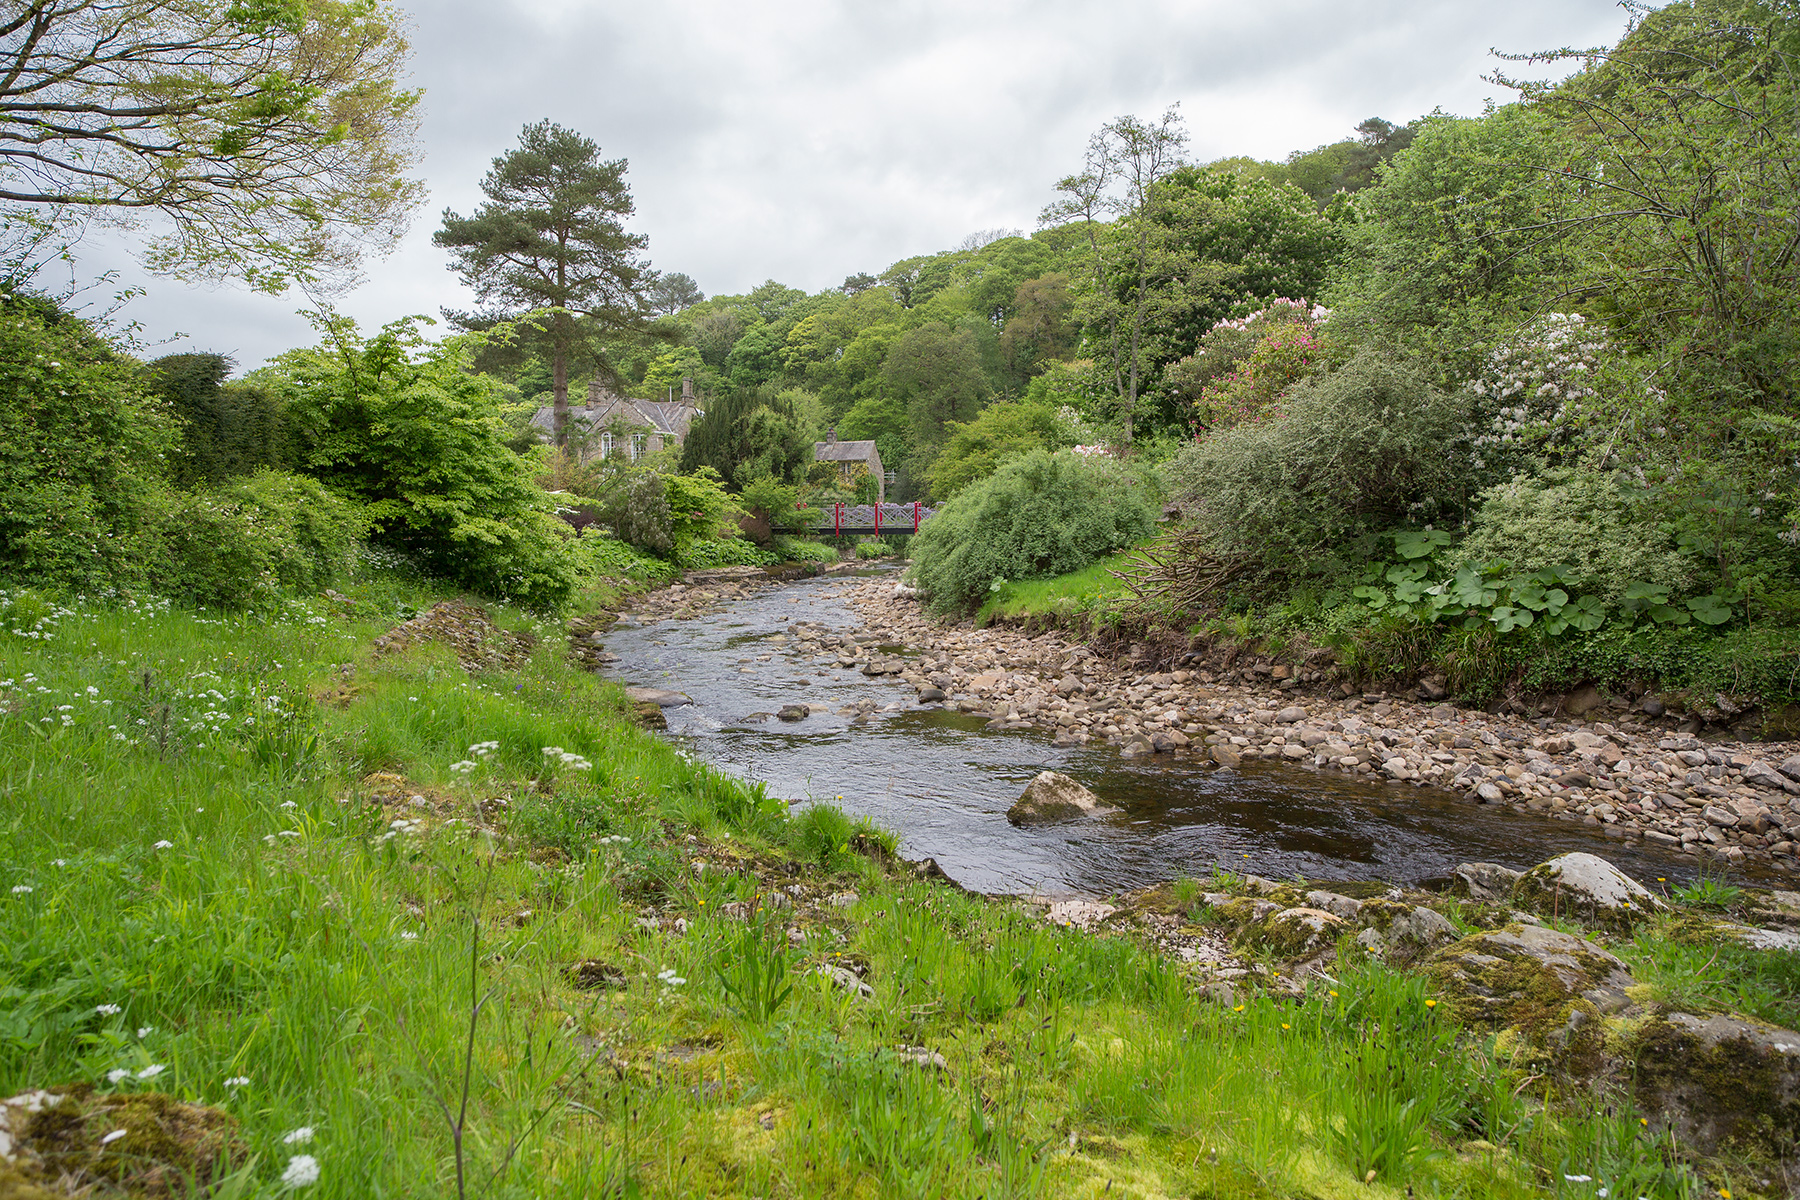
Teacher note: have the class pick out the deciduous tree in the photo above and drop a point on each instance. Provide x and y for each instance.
(270, 136)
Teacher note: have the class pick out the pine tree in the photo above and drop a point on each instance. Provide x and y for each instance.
(552, 236)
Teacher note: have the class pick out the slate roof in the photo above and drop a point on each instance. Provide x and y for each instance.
(666, 418)
(845, 452)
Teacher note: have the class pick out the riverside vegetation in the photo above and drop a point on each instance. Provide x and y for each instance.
(376, 895)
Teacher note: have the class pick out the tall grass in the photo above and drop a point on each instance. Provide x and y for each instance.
(201, 875)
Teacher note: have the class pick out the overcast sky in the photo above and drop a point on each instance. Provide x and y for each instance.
(806, 140)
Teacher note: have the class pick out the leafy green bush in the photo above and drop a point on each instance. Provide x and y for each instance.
(873, 550)
(699, 506)
(1002, 430)
(407, 430)
(772, 501)
(82, 452)
(703, 553)
(1041, 514)
(1353, 453)
(598, 554)
(239, 546)
(793, 549)
(1582, 523)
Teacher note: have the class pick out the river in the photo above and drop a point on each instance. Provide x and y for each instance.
(944, 783)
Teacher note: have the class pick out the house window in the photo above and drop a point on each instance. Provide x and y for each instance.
(606, 440)
(638, 443)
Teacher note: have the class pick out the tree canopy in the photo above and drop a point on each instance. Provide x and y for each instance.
(270, 136)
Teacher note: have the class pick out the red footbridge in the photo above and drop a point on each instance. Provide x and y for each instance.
(843, 520)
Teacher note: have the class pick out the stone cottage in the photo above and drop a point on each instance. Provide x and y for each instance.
(609, 424)
(848, 455)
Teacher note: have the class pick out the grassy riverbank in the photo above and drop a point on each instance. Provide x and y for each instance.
(274, 868)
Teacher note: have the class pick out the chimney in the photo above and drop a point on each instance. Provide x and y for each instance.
(593, 396)
(687, 390)
(831, 436)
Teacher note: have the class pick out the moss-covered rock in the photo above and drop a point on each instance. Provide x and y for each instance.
(1721, 1083)
(143, 1143)
(1294, 933)
(1553, 989)
(1052, 796)
(1585, 888)
(1406, 932)
(1482, 881)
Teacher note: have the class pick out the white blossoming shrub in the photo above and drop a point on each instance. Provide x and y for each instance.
(1539, 395)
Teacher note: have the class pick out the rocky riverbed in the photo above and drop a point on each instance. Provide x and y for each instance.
(1634, 775)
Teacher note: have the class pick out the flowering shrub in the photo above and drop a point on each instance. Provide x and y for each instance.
(1243, 365)
(1540, 392)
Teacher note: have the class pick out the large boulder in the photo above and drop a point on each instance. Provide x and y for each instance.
(1586, 888)
(1552, 987)
(1720, 1082)
(1053, 796)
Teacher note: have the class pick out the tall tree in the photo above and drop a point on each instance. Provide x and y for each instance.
(271, 136)
(1684, 141)
(552, 236)
(1126, 159)
(672, 293)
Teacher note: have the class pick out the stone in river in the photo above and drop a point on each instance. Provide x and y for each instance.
(661, 697)
(792, 712)
(1053, 796)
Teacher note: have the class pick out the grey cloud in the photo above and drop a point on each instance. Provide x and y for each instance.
(804, 141)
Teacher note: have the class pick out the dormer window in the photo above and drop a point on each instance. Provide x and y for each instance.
(606, 445)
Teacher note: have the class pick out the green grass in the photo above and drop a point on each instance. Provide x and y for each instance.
(333, 886)
(1080, 593)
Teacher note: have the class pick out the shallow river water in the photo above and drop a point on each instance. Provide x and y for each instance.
(944, 783)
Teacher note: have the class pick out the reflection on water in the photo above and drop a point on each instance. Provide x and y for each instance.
(944, 784)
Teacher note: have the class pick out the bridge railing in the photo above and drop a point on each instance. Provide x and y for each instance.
(859, 518)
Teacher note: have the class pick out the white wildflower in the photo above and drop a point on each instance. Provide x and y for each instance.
(298, 1137)
(118, 1075)
(22, 889)
(108, 1010)
(152, 1071)
(302, 1171)
(237, 1081)
(145, 1031)
(165, 844)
